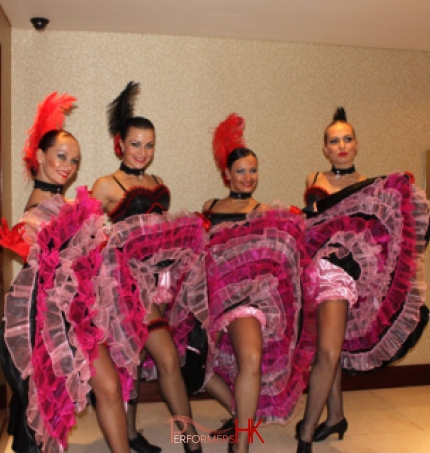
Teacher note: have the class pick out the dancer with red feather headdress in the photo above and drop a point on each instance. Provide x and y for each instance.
(52, 344)
(259, 357)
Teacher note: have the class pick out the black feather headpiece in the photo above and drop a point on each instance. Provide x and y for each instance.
(340, 115)
(121, 109)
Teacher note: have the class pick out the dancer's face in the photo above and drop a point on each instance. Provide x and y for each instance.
(243, 175)
(342, 146)
(59, 163)
(138, 147)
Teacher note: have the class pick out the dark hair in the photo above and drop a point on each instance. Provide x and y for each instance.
(338, 117)
(138, 122)
(237, 154)
(48, 140)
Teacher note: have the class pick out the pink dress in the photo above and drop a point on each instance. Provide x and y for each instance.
(151, 257)
(52, 319)
(376, 232)
(257, 266)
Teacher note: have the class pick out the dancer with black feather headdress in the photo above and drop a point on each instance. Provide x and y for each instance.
(152, 268)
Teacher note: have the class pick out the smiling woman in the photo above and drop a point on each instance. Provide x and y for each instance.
(55, 163)
(256, 264)
(165, 247)
(51, 343)
(58, 156)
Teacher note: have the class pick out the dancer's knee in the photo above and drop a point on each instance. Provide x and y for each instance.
(107, 388)
(328, 355)
(250, 360)
(168, 364)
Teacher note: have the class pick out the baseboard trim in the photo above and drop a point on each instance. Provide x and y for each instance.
(149, 393)
(389, 377)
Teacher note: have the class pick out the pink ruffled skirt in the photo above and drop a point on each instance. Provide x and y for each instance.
(57, 348)
(378, 233)
(258, 268)
(152, 259)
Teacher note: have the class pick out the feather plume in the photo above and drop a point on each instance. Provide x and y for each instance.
(13, 239)
(121, 109)
(340, 115)
(50, 116)
(227, 137)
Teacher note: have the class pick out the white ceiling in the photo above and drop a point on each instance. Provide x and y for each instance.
(395, 24)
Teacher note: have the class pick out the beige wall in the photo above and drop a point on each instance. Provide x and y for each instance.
(286, 92)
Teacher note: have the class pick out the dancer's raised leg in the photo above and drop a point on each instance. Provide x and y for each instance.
(110, 407)
(247, 341)
(162, 349)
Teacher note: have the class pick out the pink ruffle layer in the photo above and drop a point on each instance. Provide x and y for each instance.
(152, 258)
(255, 268)
(64, 259)
(383, 226)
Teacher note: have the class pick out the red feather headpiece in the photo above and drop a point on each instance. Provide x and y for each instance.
(227, 137)
(50, 116)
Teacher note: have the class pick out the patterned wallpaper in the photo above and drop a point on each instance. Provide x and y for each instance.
(286, 92)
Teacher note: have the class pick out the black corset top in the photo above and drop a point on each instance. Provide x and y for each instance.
(141, 200)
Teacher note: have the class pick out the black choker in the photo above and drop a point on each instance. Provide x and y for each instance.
(239, 196)
(342, 171)
(132, 171)
(47, 187)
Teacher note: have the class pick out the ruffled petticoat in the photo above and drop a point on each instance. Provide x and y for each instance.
(257, 268)
(55, 350)
(152, 258)
(376, 232)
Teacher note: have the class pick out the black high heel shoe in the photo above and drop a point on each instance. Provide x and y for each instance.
(323, 430)
(302, 446)
(140, 445)
(227, 429)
